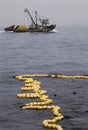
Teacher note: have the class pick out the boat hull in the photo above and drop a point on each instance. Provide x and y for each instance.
(10, 28)
(42, 28)
(39, 28)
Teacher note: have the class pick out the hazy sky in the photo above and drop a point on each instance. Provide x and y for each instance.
(60, 12)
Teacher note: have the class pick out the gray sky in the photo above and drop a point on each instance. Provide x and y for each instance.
(60, 12)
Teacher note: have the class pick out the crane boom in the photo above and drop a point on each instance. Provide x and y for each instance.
(26, 10)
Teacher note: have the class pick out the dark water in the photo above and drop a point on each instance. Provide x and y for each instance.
(64, 52)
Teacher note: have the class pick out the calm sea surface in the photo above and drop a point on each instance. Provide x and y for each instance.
(63, 52)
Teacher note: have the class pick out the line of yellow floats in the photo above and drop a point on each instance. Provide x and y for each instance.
(44, 100)
(31, 84)
(22, 77)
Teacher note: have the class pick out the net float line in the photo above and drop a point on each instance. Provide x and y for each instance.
(43, 103)
(61, 76)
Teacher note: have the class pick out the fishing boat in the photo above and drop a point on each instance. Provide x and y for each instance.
(10, 28)
(37, 25)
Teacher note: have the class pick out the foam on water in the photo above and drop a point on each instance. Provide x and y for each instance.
(53, 31)
(2, 31)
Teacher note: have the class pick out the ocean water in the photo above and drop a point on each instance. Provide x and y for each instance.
(62, 52)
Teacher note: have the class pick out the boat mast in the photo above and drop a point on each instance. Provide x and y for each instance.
(36, 17)
(26, 10)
